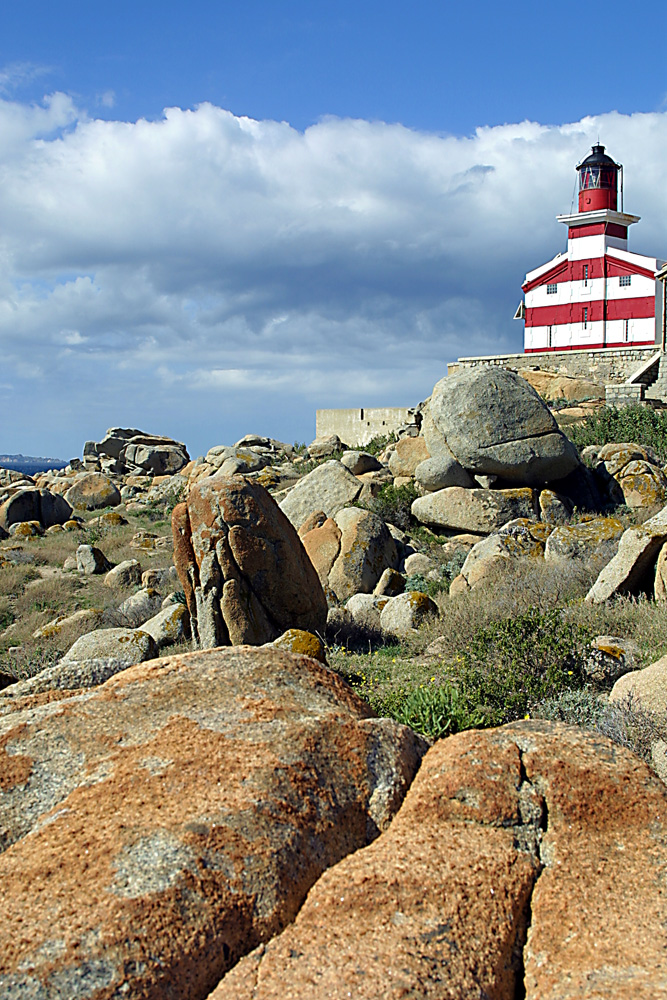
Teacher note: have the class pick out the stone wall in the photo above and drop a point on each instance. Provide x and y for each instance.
(357, 427)
(604, 365)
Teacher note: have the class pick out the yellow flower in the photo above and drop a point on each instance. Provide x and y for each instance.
(527, 715)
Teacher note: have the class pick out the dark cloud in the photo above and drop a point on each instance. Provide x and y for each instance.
(206, 275)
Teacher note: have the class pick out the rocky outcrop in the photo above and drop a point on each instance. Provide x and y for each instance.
(632, 570)
(92, 491)
(481, 511)
(126, 450)
(245, 573)
(518, 865)
(591, 537)
(495, 424)
(328, 488)
(31, 504)
(126, 645)
(191, 805)
(350, 552)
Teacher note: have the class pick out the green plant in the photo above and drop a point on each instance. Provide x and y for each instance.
(640, 424)
(378, 444)
(394, 503)
(434, 711)
(510, 665)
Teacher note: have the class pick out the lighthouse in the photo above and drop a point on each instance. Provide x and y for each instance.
(597, 294)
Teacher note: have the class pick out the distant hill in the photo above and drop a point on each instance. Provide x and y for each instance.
(31, 463)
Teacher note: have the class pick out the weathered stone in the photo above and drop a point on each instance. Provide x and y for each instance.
(441, 471)
(660, 584)
(32, 504)
(26, 529)
(595, 536)
(191, 805)
(632, 570)
(554, 387)
(518, 539)
(295, 640)
(125, 574)
(322, 543)
(554, 509)
(359, 462)
(419, 563)
(85, 620)
(643, 485)
(481, 511)
(407, 454)
(325, 446)
(161, 578)
(403, 614)
(170, 625)
(390, 584)
(315, 520)
(138, 608)
(91, 560)
(158, 459)
(65, 676)
(610, 657)
(366, 550)
(648, 686)
(329, 488)
(124, 644)
(494, 423)
(517, 866)
(245, 574)
(92, 491)
(365, 610)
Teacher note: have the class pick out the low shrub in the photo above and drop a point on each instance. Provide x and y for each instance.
(626, 722)
(393, 504)
(637, 423)
(432, 710)
(513, 664)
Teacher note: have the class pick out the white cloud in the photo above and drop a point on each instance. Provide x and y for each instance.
(206, 275)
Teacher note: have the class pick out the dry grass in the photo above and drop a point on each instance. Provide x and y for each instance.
(30, 599)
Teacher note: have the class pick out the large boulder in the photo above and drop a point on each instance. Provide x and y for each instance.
(591, 537)
(407, 454)
(525, 862)
(328, 488)
(480, 511)
(495, 424)
(126, 645)
(351, 551)
(632, 569)
(166, 823)
(34, 505)
(130, 450)
(93, 491)
(245, 574)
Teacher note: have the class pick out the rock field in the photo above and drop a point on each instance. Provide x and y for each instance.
(196, 802)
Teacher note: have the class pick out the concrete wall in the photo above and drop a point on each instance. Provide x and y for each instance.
(357, 427)
(604, 365)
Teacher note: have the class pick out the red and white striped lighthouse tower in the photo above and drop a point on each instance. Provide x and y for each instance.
(597, 294)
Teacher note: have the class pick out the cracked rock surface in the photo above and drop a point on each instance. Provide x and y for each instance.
(162, 825)
(245, 573)
(525, 862)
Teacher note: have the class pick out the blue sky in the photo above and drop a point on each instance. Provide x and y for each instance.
(341, 199)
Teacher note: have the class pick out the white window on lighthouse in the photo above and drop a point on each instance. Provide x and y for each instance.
(625, 280)
(550, 333)
(585, 274)
(626, 330)
(552, 288)
(585, 321)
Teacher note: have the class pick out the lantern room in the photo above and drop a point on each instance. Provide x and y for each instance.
(598, 181)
